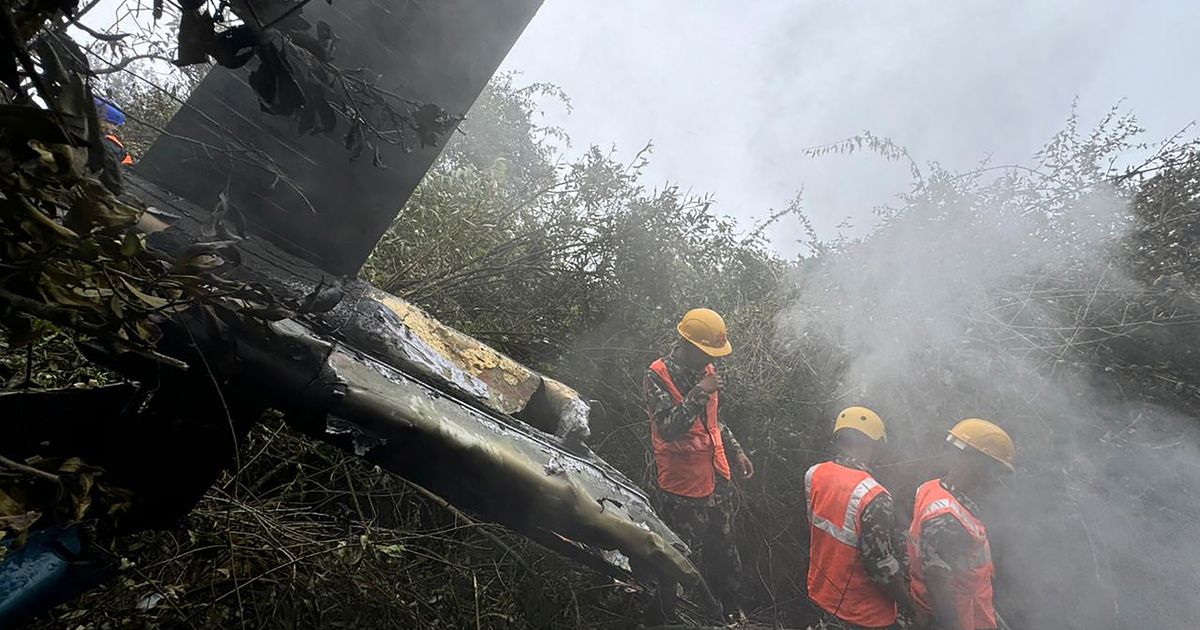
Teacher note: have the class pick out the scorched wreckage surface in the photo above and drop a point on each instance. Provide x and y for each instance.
(361, 368)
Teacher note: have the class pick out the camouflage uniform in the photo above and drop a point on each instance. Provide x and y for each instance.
(704, 523)
(945, 544)
(879, 539)
(673, 421)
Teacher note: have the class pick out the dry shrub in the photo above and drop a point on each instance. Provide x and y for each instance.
(307, 536)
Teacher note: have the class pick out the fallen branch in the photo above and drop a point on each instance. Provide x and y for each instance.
(28, 470)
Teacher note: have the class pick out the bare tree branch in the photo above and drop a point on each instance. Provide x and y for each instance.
(124, 63)
(27, 470)
(104, 37)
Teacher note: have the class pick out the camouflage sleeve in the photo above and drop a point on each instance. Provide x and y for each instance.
(877, 541)
(731, 444)
(672, 421)
(945, 545)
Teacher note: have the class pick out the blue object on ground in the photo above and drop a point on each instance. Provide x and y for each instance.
(46, 571)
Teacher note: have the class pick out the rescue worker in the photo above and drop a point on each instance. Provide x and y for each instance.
(111, 118)
(855, 570)
(948, 551)
(692, 449)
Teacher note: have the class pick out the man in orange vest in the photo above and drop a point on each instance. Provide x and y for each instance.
(111, 117)
(855, 571)
(949, 555)
(691, 444)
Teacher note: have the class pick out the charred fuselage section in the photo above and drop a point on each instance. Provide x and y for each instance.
(350, 364)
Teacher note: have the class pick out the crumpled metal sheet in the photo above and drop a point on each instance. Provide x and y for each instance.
(390, 329)
(570, 410)
(380, 378)
(485, 465)
(505, 384)
(401, 333)
(369, 371)
(484, 462)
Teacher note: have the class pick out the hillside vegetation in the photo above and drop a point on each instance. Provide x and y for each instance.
(1057, 297)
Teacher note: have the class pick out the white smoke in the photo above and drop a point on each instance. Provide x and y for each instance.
(1001, 294)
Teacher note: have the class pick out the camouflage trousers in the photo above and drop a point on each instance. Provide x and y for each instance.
(706, 526)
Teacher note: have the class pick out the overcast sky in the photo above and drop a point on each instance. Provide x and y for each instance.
(731, 92)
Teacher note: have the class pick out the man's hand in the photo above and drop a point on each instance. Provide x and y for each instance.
(711, 383)
(745, 466)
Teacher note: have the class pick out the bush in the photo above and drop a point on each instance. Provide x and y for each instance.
(1053, 297)
(1057, 298)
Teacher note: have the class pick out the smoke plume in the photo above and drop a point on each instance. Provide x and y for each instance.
(1005, 293)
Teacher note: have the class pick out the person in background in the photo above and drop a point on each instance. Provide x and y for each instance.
(856, 571)
(692, 450)
(111, 119)
(949, 555)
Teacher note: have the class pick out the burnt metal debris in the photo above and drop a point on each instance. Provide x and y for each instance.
(380, 378)
(344, 362)
(361, 368)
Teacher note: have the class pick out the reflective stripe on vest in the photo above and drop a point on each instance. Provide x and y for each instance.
(971, 588)
(961, 513)
(847, 531)
(687, 466)
(837, 578)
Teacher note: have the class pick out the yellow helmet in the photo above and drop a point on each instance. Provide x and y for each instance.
(706, 330)
(862, 420)
(985, 437)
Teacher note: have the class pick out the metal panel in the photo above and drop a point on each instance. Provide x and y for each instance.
(378, 377)
(302, 191)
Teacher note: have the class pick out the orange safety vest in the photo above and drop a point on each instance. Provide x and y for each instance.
(128, 159)
(972, 588)
(837, 579)
(686, 465)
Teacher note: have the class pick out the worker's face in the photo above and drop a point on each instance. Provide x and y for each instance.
(985, 471)
(966, 470)
(693, 357)
(877, 449)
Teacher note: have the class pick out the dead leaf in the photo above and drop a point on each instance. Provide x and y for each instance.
(132, 245)
(152, 301)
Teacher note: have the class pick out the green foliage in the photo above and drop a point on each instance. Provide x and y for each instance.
(78, 256)
(72, 246)
(1005, 290)
(587, 277)
(1036, 295)
(148, 106)
(75, 262)
(50, 361)
(529, 255)
(73, 250)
